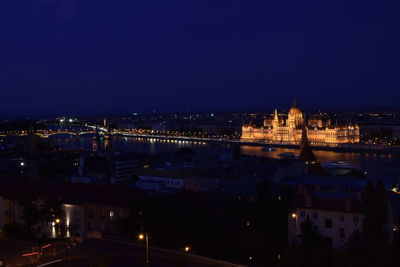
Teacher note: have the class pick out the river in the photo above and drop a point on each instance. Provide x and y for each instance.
(377, 166)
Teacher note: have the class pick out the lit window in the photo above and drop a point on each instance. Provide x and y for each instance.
(111, 214)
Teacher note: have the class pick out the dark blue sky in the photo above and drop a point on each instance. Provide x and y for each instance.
(91, 56)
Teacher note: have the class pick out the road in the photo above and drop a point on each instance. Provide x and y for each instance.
(11, 251)
(95, 251)
(125, 254)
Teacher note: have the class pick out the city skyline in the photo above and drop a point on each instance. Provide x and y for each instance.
(224, 133)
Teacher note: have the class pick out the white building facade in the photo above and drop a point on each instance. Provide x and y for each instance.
(338, 226)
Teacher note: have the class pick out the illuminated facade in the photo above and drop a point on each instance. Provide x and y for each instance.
(288, 131)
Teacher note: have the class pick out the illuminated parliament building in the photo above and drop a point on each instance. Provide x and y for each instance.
(288, 130)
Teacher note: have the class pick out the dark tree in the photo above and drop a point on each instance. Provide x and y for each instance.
(264, 192)
(375, 229)
(309, 236)
(315, 250)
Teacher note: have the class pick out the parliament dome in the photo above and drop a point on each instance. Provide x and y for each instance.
(294, 110)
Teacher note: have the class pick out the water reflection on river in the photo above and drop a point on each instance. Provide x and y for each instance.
(376, 165)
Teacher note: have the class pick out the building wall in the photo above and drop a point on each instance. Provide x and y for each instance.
(73, 219)
(13, 212)
(343, 224)
(1, 213)
(124, 170)
(156, 182)
(168, 184)
(104, 218)
(89, 217)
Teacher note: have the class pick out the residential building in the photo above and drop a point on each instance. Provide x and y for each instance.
(174, 179)
(11, 211)
(85, 208)
(335, 215)
(124, 169)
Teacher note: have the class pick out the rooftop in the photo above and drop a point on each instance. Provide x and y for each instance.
(329, 180)
(180, 173)
(329, 201)
(69, 193)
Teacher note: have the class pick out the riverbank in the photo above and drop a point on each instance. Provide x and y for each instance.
(342, 148)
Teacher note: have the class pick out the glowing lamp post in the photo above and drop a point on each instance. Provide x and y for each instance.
(294, 217)
(56, 224)
(145, 237)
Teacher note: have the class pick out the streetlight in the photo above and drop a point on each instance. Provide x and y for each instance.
(145, 237)
(294, 216)
(187, 249)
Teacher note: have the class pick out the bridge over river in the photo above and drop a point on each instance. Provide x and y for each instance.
(46, 133)
(94, 130)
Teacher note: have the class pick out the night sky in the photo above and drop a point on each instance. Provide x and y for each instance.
(95, 56)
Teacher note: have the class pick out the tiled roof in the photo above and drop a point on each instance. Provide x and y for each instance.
(329, 202)
(69, 193)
